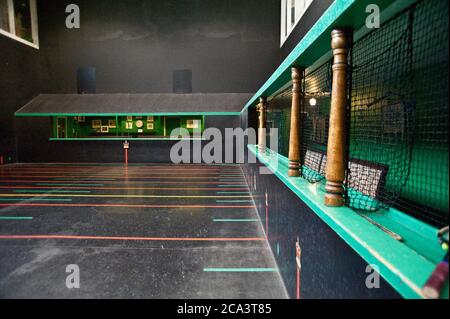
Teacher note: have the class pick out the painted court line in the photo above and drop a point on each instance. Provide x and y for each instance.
(109, 174)
(247, 192)
(229, 175)
(239, 270)
(79, 179)
(56, 184)
(123, 177)
(127, 196)
(235, 201)
(47, 182)
(125, 206)
(242, 185)
(129, 167)
(235, 220)
(125, 188)
(36, 199)
(44, 191)
(128, 238)
(15, 218)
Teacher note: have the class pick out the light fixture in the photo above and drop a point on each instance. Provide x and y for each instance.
(313, 102)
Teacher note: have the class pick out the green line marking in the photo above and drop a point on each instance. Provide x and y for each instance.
(239, 270)
(36, 199)
(15, 218)
(44, 191)
(51, 184)
(234, 220)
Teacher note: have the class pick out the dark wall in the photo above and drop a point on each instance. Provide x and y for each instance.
(136, 45)
(231, 46)
(330, 268)
(19, 82)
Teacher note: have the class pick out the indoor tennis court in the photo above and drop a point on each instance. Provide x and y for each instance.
(145, 231)
(210, 149)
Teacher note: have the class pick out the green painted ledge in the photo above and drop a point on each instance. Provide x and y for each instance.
(317, 42)
(404, 265)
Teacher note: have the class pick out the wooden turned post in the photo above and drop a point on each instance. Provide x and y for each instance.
(296, 109)
(262, 106)
(337, 137)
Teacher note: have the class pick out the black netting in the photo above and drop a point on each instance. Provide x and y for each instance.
(316, 122)
(399, 115)
(279, 116)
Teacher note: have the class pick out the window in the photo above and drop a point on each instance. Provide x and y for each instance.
(18, 20)
(291, 13)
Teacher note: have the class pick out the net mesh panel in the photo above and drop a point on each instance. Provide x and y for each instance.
(398, 144)
(398, 117)
(315, 122)
(279, 116)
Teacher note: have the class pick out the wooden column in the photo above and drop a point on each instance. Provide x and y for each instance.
(337, 138)
(262, 106)
(295, 147)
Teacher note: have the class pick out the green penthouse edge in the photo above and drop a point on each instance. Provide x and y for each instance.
(151, 117)
(407, 264)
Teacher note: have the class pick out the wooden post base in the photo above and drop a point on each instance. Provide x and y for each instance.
(294, 169)
(335, 194)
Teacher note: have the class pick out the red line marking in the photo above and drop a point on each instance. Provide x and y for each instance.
(122, 188)
(109, 182)
(120, 205)
(147, 167)
(123, 176)
(298, 283)
(43, 170)
(128, 238)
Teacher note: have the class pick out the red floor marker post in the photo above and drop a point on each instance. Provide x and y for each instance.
(298, 255)
(126, 146)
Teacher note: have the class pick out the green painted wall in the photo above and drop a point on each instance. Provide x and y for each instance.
(85, 129)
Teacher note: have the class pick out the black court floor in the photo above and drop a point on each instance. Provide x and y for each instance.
(143, 231)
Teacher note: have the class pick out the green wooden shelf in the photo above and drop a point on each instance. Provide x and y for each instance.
(405, 265)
